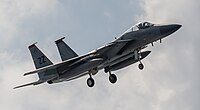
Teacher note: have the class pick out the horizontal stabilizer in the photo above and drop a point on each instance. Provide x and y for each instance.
(33, 83)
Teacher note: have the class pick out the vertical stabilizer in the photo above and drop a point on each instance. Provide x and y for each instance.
(40, 60)
(65, 51)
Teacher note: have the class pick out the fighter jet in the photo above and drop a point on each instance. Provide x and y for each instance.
(123, 51)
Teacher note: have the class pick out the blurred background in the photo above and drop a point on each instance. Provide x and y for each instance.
(170, 80)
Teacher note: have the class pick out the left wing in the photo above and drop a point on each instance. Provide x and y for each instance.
(112, 45)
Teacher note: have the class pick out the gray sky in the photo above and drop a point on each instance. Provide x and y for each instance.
(170, 80)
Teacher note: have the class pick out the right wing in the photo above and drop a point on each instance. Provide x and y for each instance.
(112, 48)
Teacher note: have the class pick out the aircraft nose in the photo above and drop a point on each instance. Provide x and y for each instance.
(169, 29)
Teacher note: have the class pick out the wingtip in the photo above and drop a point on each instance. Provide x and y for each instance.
(25, 74)
(15, 87)
(28, 84)
(28, 73)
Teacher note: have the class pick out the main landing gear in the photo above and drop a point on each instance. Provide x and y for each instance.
(90, 81)
(112, 77)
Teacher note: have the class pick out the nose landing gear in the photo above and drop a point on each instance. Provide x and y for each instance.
(140, 66)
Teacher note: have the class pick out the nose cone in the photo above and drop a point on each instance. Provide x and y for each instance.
(169, 29)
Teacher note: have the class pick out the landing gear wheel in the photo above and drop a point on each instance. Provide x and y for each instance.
(141, 66)
(113, 78)
(90, 82)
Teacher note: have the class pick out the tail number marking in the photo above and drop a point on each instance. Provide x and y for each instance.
(41, 60)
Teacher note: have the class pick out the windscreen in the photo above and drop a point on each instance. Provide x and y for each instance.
(139, 26)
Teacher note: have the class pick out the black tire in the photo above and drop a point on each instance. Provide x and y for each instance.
(113, 78)
(90, 82)
(141, 66)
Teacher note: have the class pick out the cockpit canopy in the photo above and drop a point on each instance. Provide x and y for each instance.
(139, 26)
(144, 25)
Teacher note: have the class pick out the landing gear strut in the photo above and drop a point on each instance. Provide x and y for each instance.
(140, 66)
(90, 81)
